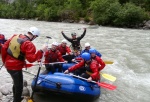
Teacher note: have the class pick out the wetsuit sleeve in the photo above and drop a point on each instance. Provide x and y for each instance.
(30, 51)
(79, 58)
(95, 69)
(101, 62)
(80, 37)
(76, 66)
(69, 39)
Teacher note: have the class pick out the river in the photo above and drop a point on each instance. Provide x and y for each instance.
(128, 48)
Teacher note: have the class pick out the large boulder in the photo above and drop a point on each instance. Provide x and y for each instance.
(6, 89)
(147, 25)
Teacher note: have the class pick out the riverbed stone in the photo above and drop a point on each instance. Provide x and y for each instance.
(6, 89)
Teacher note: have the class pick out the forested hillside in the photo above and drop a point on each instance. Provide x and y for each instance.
(120, 13)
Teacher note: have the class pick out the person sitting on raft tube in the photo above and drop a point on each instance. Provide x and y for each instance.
(53, 55)
(75, 57)
(75, 41)
(92, 51)
(86, 66)
(63, 48)
(88, 47)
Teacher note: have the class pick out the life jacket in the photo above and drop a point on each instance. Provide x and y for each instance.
(87, 67)
(62, 50)
(14, 47)
(52, 56)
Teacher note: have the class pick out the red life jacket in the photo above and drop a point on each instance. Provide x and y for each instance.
(51, 56)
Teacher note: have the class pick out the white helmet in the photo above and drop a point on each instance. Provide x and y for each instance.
(34, 31)
(64, 41)
(87, 44)
(55, 43)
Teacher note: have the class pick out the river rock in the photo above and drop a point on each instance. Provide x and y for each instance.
(25, 92)
(25, 83)
(6, 89)
(147, 25)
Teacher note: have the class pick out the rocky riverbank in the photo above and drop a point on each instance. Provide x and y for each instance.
(6, 94)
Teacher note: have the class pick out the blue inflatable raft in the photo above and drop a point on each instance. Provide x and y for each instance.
(65, 84)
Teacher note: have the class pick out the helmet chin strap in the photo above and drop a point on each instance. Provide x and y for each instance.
(33, 37)
(30, 36)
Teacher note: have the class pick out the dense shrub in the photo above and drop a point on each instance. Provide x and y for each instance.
(104, 11)
(130, 15)
(126, 13)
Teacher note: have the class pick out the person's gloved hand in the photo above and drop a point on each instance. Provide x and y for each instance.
(66, 61)
(39, 60)
(89, 79)
(66, 72)
(73, 60)
(44, 48)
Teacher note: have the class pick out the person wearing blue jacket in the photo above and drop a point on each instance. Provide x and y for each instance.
(88, 47)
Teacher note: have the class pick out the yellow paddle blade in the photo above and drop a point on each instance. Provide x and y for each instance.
(109, 77)
(108, 62)
(30, 100)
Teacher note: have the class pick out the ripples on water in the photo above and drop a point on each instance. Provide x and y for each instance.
(128, 48)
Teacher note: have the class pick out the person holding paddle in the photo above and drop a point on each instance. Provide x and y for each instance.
(75, 41)
(85, 66)
(14, 52)
(53, 55)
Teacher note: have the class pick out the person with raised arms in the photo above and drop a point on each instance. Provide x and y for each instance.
(14, 52)
(75, 41)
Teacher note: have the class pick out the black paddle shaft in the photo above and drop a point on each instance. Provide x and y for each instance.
(35, 82)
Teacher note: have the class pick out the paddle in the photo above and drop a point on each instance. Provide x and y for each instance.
(28, 72)
(107, 76)
(1, 66)
(48, 37)
(108, 62)
(101, 84)
(34, 64)
(31, 99)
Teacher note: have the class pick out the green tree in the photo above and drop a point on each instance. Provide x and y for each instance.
(104, 11)
(130, 15)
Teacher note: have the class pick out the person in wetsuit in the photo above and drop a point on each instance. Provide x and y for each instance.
(75, 41)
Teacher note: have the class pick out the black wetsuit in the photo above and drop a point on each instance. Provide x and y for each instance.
(75, 43)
